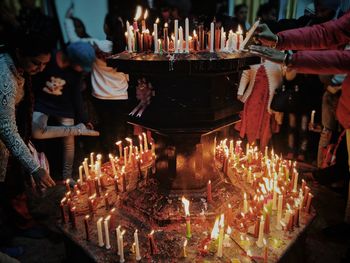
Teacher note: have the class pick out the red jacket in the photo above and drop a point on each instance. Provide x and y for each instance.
(317, 61)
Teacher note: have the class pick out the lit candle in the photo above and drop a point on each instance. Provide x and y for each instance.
(92, 162)
(259, 242)
(181, 39)
(239, 37)
(111, 160)
(187, 36)
(267, 221)
(86, 167)
(106, 225)
(184, 249)
(125, 156)
(229, 214)
(303, 184)
(221, 236)
(296, 174)
(121, 238)
(67, 185)
(152, 243)
(86, 223)
(223, 41)
(143, 22)
(209, 193)
(129, 35)
(99, 232)
(176, 35)
(195, 40)
(212, 37)
(245, 204)
(274, 199)
(73, 216)
(62, 210)
(308, 203)
(145, 141)
(249, 176)
(137, 246)
(81, 173)
(313, 117)
(155, 36)
(120, 148)
(118, 239)
(186, 204)
(265, 250)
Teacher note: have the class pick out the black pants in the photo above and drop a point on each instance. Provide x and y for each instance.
(112, 116)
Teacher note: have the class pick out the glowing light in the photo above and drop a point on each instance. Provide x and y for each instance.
(186, 204)
(215, 232)
(145, 15)
(138, 13)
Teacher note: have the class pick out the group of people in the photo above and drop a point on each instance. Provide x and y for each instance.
(42, 88)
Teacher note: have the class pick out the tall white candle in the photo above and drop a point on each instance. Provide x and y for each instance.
(106, 225)
(145, 141)
(99, 232)
(92, 160)
(176, 26)
(260, 242)
(181, 39)
(118, 238)
(212, 36)
(111, 159)
(187, 35)
(155, 31)
(245, 204)
(121, 240)
(223, 39)
(221, 237)
(130, 35)
(274, 200)
(125, 156)
(313, 117)
(279, 211)
(86, 167)
(296, 175)
(81, 173)
(137, 246)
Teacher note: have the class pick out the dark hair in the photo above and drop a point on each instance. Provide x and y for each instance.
(239, 7)
(35, 37)
(79, 21)
(116, 32)
(265, 9)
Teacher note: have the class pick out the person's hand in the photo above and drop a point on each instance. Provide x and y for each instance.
(42, 178)
(70, 10)
(89, 125)
(265, 36)
(268, 53)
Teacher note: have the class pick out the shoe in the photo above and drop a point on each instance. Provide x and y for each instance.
(84, 131)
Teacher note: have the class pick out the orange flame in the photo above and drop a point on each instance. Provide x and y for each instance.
(186, 204)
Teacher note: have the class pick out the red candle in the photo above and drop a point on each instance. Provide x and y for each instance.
(209, 195)
(67, 185)
(256, 228)
(73, 217)
(116, 184)
(303, 185)
(229, 214)
(124, 182)
(86, 223)
(296, 217)
(97, 188)
(152, 243)
(106, 201)
(306, 194)
(308, 203)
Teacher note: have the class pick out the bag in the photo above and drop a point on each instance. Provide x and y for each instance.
(286, 99)
(39, 157)
(329, 153)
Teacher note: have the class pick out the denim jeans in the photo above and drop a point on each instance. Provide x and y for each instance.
(41, 130)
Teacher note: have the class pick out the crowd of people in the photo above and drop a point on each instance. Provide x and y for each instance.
(49, 92)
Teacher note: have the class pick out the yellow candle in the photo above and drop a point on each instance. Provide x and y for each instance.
(106, 225)
(99, 232)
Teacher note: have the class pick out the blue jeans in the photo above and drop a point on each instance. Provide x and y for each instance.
(41, 130)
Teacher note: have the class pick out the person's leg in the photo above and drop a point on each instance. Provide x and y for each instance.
(329, 123)
(68, 149)
(303, 136)
(40, 129)
(292, 126)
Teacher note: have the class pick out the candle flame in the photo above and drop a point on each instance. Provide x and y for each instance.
(152, 232)
(122, 234)
(118, 143)
(157, 20)
(186, 204)
(245, 196)
(264, 241)
(138, 13)
(145, 15)
(229, 230)
(63, 200)
(87, 217)
(194, 33)
(108, 218)
(215, 232)
(128, 140)
(166, 25)
(249, 253)
(136, 231)
(205, 247)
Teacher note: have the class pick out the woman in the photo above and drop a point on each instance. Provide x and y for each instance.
(58, 95)
(27, 55)
(109, 87)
